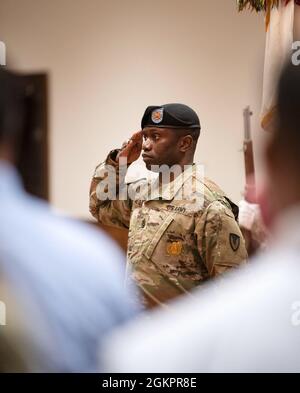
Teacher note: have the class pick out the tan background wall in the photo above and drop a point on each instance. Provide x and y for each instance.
(109, 59)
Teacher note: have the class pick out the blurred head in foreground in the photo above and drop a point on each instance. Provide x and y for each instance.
(282, 154)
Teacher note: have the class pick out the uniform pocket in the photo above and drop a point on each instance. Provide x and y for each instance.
(156, 238)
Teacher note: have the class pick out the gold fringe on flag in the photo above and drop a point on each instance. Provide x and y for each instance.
(258, 5)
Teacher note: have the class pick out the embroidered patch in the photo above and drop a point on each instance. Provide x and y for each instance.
(174, 248)
(234, 241)
(157, 116)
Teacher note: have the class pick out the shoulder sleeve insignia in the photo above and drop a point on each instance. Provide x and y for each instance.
(234, 241)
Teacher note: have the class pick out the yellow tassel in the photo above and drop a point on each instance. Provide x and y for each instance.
(268, 14)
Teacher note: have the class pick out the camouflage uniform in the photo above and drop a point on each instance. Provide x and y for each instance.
(174, 245)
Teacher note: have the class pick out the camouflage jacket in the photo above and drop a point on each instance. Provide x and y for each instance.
(174, 243)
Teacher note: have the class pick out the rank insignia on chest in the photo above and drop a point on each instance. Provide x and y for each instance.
(174, 248)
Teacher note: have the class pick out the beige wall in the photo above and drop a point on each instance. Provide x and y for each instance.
(109, 59)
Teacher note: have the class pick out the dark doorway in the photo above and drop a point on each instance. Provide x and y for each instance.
(33, 161)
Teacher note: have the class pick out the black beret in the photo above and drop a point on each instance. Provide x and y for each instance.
(170, 116)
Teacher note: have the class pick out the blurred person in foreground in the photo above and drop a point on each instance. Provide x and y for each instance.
(66, 277)
(249, 322)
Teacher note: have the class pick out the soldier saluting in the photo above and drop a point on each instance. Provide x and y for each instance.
(178, 236)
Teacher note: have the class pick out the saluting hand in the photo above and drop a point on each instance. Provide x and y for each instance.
(131, 149)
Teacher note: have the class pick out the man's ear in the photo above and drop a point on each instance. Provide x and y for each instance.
(186, 143)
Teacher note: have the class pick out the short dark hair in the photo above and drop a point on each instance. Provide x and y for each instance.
(12, 107)
(287, 133)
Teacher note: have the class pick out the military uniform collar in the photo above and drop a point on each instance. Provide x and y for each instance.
(168, 191)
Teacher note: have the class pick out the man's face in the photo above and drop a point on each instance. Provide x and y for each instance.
(160, 147)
